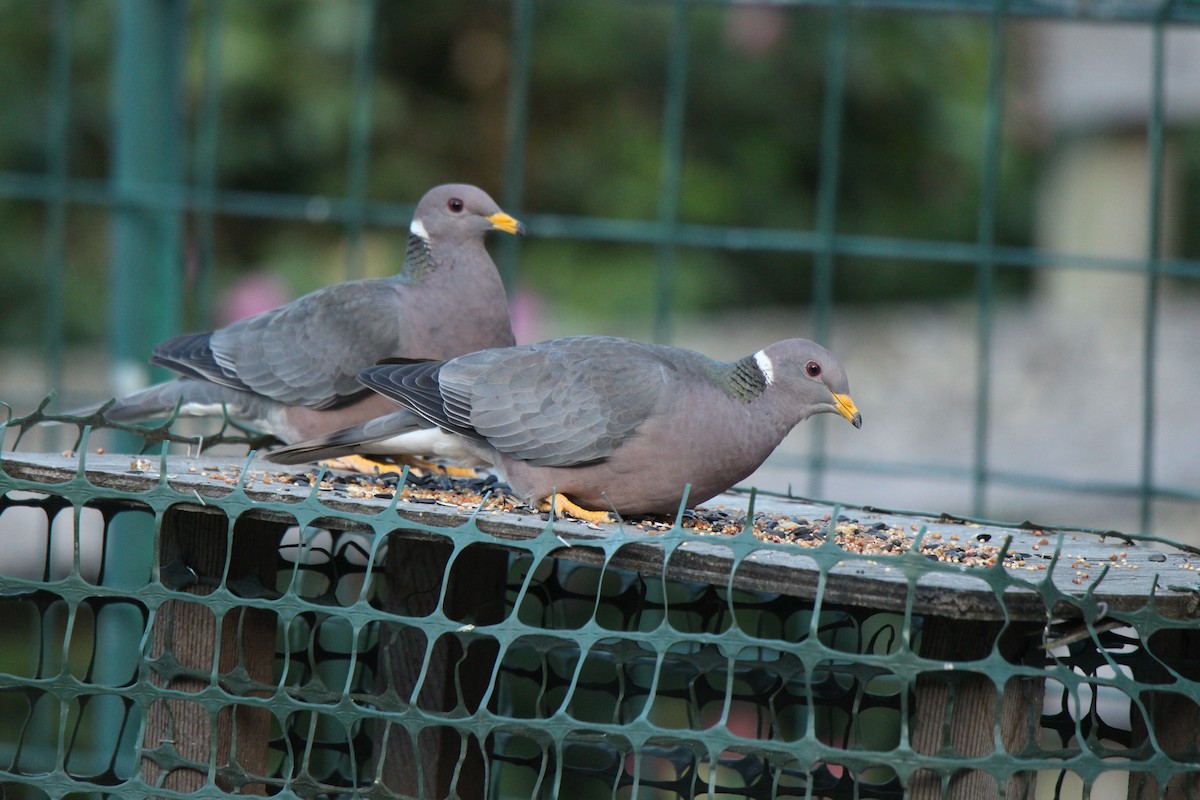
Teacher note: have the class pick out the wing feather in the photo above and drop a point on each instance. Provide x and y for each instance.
(561, 403)
(566, 402)
(306, 353)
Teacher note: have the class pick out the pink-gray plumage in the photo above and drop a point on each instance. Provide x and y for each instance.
(617, 424)
(292, 372)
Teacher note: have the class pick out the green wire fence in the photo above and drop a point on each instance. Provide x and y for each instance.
(332, 644)
(161, 191)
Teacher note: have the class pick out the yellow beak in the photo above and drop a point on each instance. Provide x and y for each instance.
(845, 407)
(503, 222)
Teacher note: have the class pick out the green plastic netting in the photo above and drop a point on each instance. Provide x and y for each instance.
(208, 627)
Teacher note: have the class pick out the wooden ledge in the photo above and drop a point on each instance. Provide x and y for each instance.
(1093, 575)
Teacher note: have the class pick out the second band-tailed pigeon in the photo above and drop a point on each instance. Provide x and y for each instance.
(291, 372)
(601, 423)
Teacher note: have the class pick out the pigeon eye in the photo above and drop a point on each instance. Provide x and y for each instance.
(455, 205)
(813, 369)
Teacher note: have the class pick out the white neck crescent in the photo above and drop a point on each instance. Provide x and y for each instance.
(764, 363)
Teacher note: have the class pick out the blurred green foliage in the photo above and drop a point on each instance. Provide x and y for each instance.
(911, 149)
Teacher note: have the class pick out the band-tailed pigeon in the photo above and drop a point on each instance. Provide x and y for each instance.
(609, 423)
(291, 372)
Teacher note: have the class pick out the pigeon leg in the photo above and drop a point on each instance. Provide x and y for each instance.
(352, 463)
(439, 469)
(368, 466)
(564, 507)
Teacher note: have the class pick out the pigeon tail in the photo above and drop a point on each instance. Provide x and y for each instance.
(193, 398)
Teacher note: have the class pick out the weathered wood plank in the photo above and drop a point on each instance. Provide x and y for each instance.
(957, 710)
(1088, 570)
(190, 644)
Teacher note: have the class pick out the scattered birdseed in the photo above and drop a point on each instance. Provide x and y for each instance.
(870, 537)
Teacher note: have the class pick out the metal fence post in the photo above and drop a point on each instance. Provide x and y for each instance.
(147, 170)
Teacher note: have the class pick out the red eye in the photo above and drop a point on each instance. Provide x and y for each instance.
(813, 369)
(455, 205)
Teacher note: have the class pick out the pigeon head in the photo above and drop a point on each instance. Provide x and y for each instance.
(455, 213)
(811, 376)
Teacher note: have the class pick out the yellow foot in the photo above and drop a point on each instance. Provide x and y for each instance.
(564, 507)
(353, 464)
(368, 466)
(440, 469)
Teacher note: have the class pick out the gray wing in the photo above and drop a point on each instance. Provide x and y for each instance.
(566, 402)
(306, 353)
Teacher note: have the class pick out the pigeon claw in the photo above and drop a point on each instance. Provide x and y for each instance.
(564, 507)
(367, 466)
(358, 464)
(465, 473)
